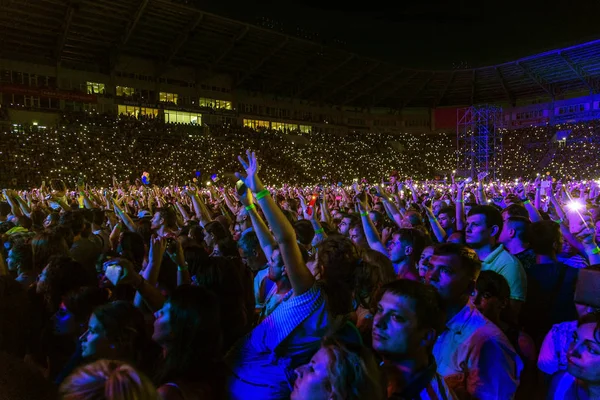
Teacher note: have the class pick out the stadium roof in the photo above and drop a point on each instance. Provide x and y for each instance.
(93, 33)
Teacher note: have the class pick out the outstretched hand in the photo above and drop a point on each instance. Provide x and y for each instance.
(251, 167)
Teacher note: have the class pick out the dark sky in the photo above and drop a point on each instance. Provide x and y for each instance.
(433, 33)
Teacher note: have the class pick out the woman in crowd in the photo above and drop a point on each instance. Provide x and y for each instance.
(108, 380)
(581, 381)
(117, 331)
(339, 371)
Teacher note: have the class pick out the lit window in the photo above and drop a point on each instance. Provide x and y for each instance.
(125, 91)
(95, 88)
(181, 117)
(168, 97)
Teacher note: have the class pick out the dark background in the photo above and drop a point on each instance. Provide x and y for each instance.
(428, 33)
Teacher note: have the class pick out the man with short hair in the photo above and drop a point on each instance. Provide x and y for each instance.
(473, 354)
(357, 235)
(408, 320)
(347, 221)
(514, 237)
(484, 225)
(447, 220)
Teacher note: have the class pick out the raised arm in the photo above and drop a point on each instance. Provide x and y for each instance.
(300, 276)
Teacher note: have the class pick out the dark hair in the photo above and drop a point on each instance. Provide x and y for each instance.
(63, 275)
(337, 263)
(520, 224)
(74, 220)
(415, 238)
(22, 253)
(467, 256)
(377, 216)
(37, 219)
(492, 216)
(196, 335)
(46, 244)
(516, 210)
(125, 326)
(544, 236)
(304, 231)
(428, 303)
(226, 244)
(169, 216)
(82, 301)
(249, 243)
(449, 211)
(197, 234)
(352, 217)
(131, 247)
(592, 318)
(98, 216)
(493, 283)
(414, 218)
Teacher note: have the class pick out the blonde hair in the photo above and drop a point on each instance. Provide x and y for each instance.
(110, 380)
(353, 372)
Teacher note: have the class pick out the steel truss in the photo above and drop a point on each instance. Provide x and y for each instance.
(479, 140)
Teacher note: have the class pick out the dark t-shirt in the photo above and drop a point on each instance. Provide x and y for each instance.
(550, 292)
(527, 258)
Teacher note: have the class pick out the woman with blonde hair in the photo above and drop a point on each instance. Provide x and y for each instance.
(339, 371)
(110, 380)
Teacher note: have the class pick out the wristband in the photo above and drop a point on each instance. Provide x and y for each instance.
(594, 252)
(526, 201)
(262, 193)
(560, 221)
(460, 201)
(182, 268)
(250, 207)
(364, 214)
(320, 230)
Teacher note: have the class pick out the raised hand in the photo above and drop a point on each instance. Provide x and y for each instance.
(251, 167)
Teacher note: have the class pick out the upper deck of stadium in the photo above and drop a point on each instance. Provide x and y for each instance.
(92, 34)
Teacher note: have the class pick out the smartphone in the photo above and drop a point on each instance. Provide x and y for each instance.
(113, 273)
(214, 178)
(240, 187)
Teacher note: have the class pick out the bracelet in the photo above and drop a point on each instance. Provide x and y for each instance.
(364, 214)
(560, 221)
(250, 207)
(182, 268)
(594, 252)
(320, 230)
(526, 201)
(262, 193)
(460, 201)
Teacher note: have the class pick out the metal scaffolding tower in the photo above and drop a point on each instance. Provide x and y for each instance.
(479, 140)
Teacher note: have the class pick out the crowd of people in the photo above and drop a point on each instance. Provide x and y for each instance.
(121, 288)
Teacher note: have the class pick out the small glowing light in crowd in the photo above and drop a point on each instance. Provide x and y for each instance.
(208, 183)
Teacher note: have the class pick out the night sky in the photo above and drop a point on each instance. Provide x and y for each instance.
(433, 34)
